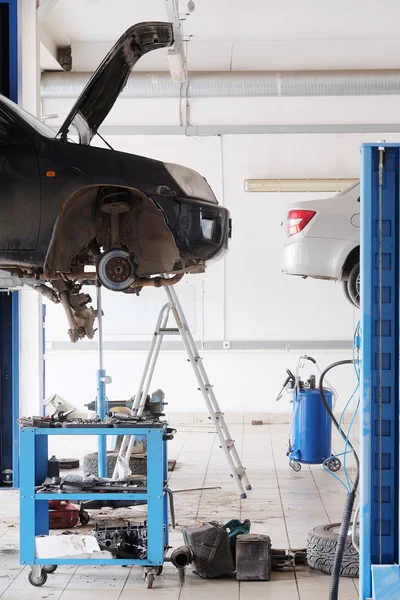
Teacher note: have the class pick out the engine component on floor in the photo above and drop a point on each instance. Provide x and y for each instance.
(128, 541)
(62, 514)
(212, 549)
(253, 557)
(322, 542)
(182, 557)
(287, 558)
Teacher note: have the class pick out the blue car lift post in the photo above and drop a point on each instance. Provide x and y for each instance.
(380, 372)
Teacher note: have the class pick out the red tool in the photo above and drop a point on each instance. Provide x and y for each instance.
(62, 514)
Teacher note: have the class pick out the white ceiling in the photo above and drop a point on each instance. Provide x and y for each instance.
(239, 34)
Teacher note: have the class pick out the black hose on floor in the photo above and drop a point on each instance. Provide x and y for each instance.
(349, 505)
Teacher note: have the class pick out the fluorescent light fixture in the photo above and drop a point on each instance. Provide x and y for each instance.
(297, 185)
(176, 65)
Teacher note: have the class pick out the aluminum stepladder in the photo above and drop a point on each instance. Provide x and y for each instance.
(238, 472)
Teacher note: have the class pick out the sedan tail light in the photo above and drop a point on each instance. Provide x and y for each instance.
(297, 220)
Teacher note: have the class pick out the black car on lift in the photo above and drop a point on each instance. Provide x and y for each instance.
(71, 213)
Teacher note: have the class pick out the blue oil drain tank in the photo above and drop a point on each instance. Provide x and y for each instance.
(311, 431)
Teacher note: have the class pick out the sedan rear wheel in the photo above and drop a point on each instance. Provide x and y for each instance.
(345, 285)
(353, 285)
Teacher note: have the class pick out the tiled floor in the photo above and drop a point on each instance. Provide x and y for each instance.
(284, 504)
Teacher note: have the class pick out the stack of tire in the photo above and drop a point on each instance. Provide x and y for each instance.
(137, 464)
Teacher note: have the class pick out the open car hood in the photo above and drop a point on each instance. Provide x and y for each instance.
(108, 81)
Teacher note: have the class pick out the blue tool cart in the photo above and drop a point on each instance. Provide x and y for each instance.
(34, 517)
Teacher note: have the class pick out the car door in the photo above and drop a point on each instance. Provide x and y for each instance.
(20, 194)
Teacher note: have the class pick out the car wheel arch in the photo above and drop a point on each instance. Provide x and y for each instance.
(76, 225)
(352, 259)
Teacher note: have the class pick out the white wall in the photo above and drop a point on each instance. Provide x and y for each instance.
(243, 298)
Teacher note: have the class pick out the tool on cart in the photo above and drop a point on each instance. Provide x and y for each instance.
(227, 443)
(310, 431)
(63, 514)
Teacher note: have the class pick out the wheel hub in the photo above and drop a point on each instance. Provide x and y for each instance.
(118, 270)
(115, 270)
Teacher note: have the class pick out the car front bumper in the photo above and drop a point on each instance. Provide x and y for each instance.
(201, 230)
(320, 258)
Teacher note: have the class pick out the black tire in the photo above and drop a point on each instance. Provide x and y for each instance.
(69, 463)
(84, 517)
(345, 285)
(37, 582)
(321, 547)
(137, 464)
(149, 579)
(50, 568)
(353, 285)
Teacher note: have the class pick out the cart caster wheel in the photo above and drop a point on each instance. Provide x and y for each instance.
(333, 464)
(296, 466)
(149, 579)
(50, 568)
(84, 517)
(39, 581)
(158, 570)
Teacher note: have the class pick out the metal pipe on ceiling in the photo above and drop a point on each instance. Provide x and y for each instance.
(214, 84)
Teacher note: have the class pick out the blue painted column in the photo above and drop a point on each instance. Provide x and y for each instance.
(379, 434)
(10, 304)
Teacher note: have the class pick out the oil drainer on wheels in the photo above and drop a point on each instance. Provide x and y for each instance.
(310, 430)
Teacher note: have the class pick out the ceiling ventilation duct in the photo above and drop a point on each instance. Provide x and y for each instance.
(217, 84)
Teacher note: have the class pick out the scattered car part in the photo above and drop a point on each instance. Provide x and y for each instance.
(128, 541)
(287, 558)
(253, 557)
(322, 543)
(212, 550)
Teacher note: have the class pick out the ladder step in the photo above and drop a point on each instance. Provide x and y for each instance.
(168, 331)
(219, 415)
(240, 471)
(229, 444)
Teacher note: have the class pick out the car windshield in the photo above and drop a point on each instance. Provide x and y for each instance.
(28, 118)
